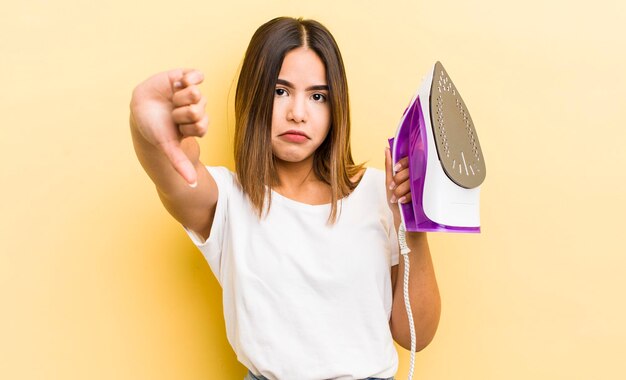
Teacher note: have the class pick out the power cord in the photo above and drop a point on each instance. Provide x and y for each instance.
(404, 250)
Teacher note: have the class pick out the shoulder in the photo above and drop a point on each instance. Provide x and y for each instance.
(372, 181)
(374, 177)
(374, 174)
(358, 176)
(225, 179)
(220, 171)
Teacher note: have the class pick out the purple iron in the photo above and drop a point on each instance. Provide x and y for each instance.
(446, 164)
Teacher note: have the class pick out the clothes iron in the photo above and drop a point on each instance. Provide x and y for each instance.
(446, 164)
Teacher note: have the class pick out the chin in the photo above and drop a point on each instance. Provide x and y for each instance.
(292, 157)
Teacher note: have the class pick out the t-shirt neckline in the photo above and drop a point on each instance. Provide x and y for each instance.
(325, 206)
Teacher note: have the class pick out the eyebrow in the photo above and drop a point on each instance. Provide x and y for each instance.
(310, 88)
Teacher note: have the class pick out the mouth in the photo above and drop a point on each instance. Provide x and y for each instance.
(293, 132)
(294, 136)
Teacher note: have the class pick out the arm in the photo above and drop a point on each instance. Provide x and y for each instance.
(423, 290)
(164, 121)
(423, 295)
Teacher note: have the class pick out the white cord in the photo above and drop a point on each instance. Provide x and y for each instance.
(404, 250)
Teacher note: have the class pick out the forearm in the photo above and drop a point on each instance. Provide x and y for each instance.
(423, 295)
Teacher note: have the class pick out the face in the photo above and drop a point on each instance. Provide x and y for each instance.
(301, 116)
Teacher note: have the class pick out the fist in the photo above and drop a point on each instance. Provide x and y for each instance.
(168, 107)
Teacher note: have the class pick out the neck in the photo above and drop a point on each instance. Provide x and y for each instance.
(293, 176)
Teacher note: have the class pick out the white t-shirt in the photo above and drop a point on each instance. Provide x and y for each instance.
(304, 300)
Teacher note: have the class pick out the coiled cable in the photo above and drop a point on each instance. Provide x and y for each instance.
(404, 250)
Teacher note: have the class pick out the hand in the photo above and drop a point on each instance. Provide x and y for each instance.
(398, 185)
(165, 109)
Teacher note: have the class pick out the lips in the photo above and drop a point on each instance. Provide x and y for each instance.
(295, 132)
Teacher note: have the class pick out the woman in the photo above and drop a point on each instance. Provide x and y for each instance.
(302, 240)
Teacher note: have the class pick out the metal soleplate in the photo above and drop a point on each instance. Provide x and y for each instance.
(455, 137)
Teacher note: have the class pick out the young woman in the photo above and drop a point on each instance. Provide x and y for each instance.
(302, 239)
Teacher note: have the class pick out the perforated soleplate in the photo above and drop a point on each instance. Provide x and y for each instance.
(455, 137)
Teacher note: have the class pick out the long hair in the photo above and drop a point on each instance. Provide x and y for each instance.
(254, 101)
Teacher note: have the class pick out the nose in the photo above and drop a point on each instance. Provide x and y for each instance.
(297, 109)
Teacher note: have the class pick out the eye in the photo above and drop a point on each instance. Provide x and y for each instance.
(319, 97)
(280, 92)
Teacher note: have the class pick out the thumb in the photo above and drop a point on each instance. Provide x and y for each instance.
(180, 162)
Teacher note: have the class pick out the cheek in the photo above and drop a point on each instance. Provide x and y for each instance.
(326, 117)
(275, 113)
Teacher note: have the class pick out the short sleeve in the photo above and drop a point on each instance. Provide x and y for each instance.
(386, 215)
(393, 241)
(213, 247)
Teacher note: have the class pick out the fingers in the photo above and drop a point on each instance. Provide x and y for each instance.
(191, 77)
(398, 184)
(192, 119)
(401, 175)
(186, 96)
(195, 129)
(402, 192)
(403, 163)
(189, 105)
(181, 78)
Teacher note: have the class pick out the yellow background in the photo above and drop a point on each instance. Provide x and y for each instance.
(98, 282)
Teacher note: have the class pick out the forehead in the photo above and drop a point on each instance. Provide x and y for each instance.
(302, 66)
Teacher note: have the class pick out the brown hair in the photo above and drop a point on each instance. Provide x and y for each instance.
(254, 100)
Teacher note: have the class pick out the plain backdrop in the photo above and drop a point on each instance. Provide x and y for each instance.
(98, 282)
